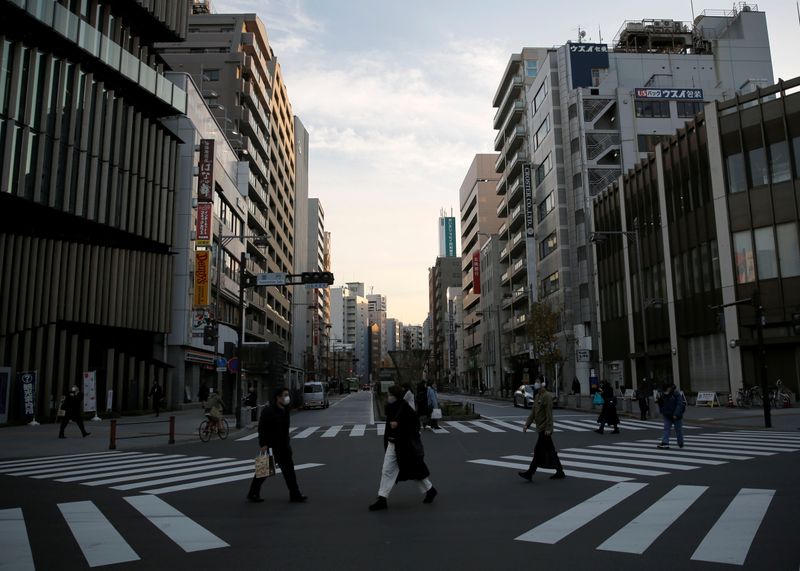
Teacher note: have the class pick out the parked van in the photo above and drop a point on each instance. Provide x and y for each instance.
(315, 394)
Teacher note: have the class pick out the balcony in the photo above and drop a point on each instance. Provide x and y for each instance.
(517, 267)
(515, 163)
(512, 93)
(504, 278)
(514, 140)
(520, 321)
(515, 191)
(508, 325)
(253, 131)
(499, 140)
(504, 253)
(517, 242)
(257, 189)
(502, 209)
(500, 163)
(501, 186)
(515, 218)
(253, 213)
(515, 115)
(503, 229)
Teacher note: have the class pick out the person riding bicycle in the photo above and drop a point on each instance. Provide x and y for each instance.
(215, 405)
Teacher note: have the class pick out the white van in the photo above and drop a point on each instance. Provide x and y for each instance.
(315, 394)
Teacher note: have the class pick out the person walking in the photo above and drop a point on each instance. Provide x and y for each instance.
(544, 453)
(73, 410)
(404, 457)
(643, 397)
(157, 394)
(576, 386)
(672, 407)
(251, 401)
(422, 404)
(433, 402)
(608, 414)
(273, 432)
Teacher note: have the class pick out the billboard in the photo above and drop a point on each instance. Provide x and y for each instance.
(669, 93)
(447, 236)
(476, 272)
(527, 195)
(202, 287)
(585, 60)
(205, 171)
(203, 226)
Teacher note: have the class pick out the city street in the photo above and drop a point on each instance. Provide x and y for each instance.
(728, 498)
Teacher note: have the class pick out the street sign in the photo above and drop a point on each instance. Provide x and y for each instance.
(314, 286)
(583, 356)
(222, 365)
(271, 279)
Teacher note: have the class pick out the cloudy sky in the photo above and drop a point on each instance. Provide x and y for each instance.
(397, 99)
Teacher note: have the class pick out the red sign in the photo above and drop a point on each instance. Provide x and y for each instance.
(203, 227)
(476, 272)
(205, 177)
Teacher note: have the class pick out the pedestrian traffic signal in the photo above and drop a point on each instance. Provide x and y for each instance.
(208, 335)
(316, 278)
(796, 323)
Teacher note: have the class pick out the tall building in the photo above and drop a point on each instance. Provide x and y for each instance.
(393, 334)
(230, 58)
(479, 221)
(350, 323)
(317, 309)
(303, 303)
(412, 337)
(377, 315)
(374, 352)
(570, 120)
(445, 274)
(715, 211)
(492, 350)
(87, 196)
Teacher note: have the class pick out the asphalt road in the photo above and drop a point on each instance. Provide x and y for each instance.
(727, 500)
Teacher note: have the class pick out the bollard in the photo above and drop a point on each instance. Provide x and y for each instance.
(112, 445)
(171, 430)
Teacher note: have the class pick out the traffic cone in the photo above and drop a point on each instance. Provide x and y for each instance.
(730, 401)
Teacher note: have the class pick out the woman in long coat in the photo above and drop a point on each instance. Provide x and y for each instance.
(608, 415)
(404, 458)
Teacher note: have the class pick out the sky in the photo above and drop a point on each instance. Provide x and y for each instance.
(396, 97)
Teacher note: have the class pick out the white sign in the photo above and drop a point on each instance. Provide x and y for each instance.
(583, 355)
(708, 397)
(271, 279)
(89, 391)
(110, 400)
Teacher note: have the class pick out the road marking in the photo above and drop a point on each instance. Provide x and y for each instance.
(601, 467)
(461, 427)
(485, 426)
(100, 543)
(57, 460)
(371, 410)
(332, 431)
(784, 434)
(358, 430)
(618, 452)
(559, 527)
(306, 432)
(707, 447)
(730, 539)
(248, 437)
(597, 455)
(440, 430)
(164, 459)
(15, 547)
(515, 427)
(61, 469)
(639, 447)
(215, 481)
(244, 465)
(752, 440)
(714, 442)
(571, 473)
(381, 429)
(149, 467)
(189, 535)
(208, 466)
(762, 437)
(643, 530)
(568, 425)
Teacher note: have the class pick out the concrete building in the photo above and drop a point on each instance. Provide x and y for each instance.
(570, 120)
(375, 358)
(454, 340)
(492, 350)
(87, 197)
(479, 203)
(715, 211)
(350, 323)
(412, 337)
(393, 334)
(377, 315)
(445, 274)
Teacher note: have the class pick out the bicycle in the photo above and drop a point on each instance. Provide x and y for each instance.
(209, 427)
(747, 397)
(778, 398)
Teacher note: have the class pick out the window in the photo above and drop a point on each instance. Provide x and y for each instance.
(540, 96)
(758, 166)
(543, 169)
(547, 205)
(647, 143)
(652, 108)
(743, 257)
(765, 253)
(796, 148)
(779, 165)
(788, 249)
(550, 284)
(715, 273)
(531, 68)
(547, 246)
(541, 132)
(737, 180)
(211, 74)
(689, 108)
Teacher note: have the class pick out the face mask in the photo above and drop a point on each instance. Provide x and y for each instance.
(392, 399)
(286, 401)
(537, 386)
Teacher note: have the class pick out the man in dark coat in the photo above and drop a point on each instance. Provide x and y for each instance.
(423, 412)
(404, 458)
(608, 415)
(273, 432)
(157, 394)
(73, 410)
(672, 407)
(544, 453)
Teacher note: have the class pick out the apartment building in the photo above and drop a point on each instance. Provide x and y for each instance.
(350, 323)
(444, 275)
(377, 315)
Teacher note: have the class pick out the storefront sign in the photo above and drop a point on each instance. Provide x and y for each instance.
(527, 190)
(203, 226)
(27, 381)
(202, 286)
(89, 391)
(205, 176)
(476, 272)
(668, 93)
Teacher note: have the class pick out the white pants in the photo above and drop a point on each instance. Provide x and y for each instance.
(390, 472)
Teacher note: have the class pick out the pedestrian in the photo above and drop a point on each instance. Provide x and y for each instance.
(273, 433)
(672, 407)
(643, 397)
(215, 407)
(483, 388)
(576, 386)
(404, 457)
(433, 404)
(422, 404)
(544, 453)
(608, 414)
(72, 405)
(202, 394)
(408, 396)
(251, 400)
(157, 394)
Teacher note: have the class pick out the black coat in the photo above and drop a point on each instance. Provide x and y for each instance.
(407, 442)
(73, 405)
(273, 428)
(609, 414)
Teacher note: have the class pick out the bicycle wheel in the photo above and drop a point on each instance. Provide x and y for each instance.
(205, 433)
(222, 429)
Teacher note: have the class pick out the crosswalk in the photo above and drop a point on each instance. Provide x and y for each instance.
(100, 542)
(152, 473)
(491, 425)
(728, 541)
(621, 462)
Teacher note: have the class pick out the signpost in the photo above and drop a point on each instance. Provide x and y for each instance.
(28, 381)
(271, 279)
(90, 393)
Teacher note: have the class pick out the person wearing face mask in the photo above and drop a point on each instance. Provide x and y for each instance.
(273, 432)
(544, 454)
(404, 456)
(73, 409)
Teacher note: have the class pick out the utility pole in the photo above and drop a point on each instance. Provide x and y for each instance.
(762, 356)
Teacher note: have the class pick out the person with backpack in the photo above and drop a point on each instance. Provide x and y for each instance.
(608, 414)
(672, 406)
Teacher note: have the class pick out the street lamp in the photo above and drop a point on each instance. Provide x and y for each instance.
(600, 236)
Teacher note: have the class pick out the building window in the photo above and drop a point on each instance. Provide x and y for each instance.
(743, 256)
(765, 251)
(547, 246)
(211, 74)
(543, 169)
(689, 108)
(758, 166)
(737, 179)
(531, 68)
(541, 132)
(647, 143)
(788, 249)
(540, 96)
(652, 108)
(547, 205)
(550, 284)
(779, 166)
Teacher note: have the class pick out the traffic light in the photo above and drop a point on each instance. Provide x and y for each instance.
(796, 323)
(316, 278)
(208, 335)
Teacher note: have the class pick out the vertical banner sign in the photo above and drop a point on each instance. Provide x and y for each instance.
(27, 381)
(476, 272)
(109, 400)
(202, 288)
(89, 391)
(5, 392)
(530, 235)
(452, 336)
(450, 236)
(203, 226)
(205, 176)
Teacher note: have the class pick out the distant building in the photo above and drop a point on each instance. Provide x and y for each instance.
(393, 334)
(445, 274)
(447, 235)
(350, 323)
(377, 315)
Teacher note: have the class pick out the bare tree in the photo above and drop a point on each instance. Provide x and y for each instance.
(542, 329)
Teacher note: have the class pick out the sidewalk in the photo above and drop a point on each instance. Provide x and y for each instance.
(32, 441)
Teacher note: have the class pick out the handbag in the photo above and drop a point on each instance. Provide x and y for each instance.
(265, 465)
(598, 398)
(61, 413)
(436, 414)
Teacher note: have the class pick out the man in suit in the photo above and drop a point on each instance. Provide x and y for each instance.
(273, 432)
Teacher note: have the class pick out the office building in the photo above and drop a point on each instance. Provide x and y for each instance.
(412, 337)
(393, 334)
(445, 274)
(302, 299)
(350, 324)
(377, 315)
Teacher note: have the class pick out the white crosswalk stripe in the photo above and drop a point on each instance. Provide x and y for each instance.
(332, 431)
(485, 426)
(358, 430)
(99, 541)
(15, 547)
(461, 427)
(306, 432)
(597, 466)
(571, 473)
